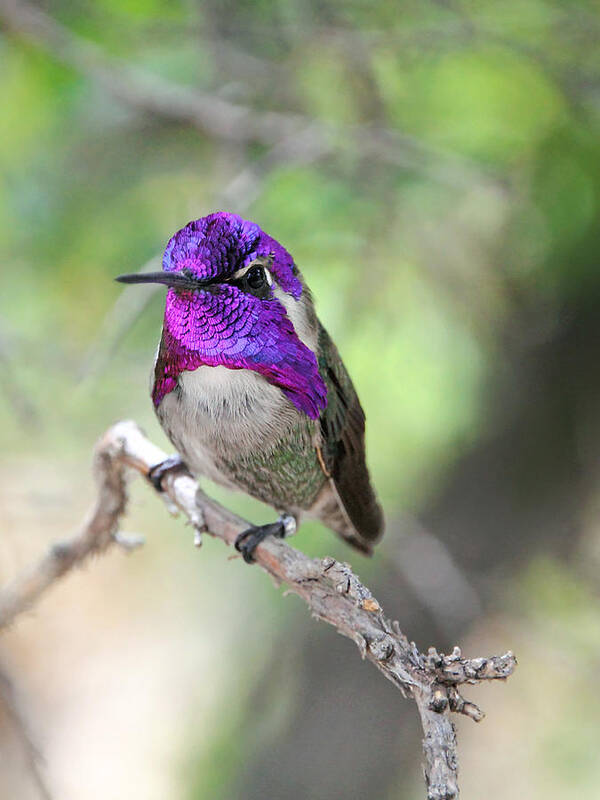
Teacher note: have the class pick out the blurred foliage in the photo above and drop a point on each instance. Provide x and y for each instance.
(433, 270)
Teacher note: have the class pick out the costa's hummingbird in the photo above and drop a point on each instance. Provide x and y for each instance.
(250, 388)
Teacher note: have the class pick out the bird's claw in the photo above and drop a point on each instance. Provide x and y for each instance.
(172, 464)
(248, 540)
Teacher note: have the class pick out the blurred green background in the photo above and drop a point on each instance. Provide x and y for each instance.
(434, 167)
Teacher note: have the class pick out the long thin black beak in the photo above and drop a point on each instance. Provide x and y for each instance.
(174, 279)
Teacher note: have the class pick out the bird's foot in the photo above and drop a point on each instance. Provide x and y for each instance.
(172, 464)
(248, 540)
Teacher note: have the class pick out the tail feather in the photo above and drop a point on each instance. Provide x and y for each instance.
(329, 509)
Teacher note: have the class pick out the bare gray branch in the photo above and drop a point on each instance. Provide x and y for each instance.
(232, 122)
(330, 589)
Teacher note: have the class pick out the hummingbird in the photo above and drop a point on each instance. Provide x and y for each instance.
(250, 388)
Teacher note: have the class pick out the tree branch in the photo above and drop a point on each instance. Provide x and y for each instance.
(330, 589)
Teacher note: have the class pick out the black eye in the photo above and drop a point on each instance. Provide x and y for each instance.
(256, 279)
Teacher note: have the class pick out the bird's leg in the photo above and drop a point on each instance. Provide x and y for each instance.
(248, 540)
(158, 471)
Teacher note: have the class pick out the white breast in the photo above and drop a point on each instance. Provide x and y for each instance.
(221, 410)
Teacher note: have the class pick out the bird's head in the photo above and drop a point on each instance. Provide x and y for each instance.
(236, 299)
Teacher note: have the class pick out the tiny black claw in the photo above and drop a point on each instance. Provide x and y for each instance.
(158, 471)
(248, 540)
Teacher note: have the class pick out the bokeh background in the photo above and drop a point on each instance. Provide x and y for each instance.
(434, 167)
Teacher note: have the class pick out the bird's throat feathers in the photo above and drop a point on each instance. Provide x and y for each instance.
(220, 329)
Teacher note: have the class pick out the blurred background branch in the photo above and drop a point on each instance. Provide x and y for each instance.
(20, 401)
(288, 134)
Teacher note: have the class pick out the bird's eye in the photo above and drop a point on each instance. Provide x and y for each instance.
(256, 279)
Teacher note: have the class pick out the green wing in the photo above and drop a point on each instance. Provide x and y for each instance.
(343, 432)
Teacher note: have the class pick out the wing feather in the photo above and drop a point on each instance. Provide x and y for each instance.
(343, 449)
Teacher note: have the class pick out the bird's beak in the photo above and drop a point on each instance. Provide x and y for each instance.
(174, 279)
